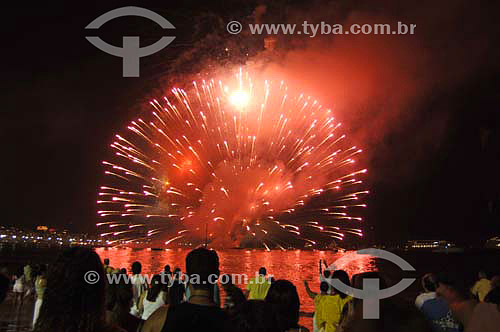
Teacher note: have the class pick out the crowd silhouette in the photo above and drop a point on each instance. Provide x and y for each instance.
(175, 301)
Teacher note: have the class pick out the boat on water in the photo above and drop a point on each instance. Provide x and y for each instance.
(438, 246)
(493, 243)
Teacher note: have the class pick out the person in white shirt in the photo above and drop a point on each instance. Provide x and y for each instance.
(154, 297)
(139, 285)
(429, 286)
(434, 308)
(19, 289)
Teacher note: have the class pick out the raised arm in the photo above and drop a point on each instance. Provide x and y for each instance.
(311, 294)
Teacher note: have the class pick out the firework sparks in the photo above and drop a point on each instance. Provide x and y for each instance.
(241, 162)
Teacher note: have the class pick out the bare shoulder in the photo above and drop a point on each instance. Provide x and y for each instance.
(156, 321)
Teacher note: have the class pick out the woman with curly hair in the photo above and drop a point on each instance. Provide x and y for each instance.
(70, 302)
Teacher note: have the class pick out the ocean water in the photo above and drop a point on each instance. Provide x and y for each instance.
(293, 265)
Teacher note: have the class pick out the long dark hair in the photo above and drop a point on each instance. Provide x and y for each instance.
(118, 301)
(233, 291)
(283, 297)
(344, 278)
(156, 287)
(70, 303)
(253, 316)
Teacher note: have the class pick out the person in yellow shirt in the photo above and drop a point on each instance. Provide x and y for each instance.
(329, 310)
(324, 287)
(482, 287)
(107, 268)
(257, 287)
(40, 285)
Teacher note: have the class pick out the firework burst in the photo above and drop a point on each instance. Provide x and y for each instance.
(236, 162)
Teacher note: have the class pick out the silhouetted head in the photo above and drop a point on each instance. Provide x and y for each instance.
(136, 268)
(203, 263)
(429, 282)
(253, 316)
(41, 271)
(344, 278)
(482, 275)
(452, 287)
(167, 269)
(119, 297)
(226, 281)
(493, 296)
(106, 261)
(74, 297)
(232, 291)
(495, 281)
(327, 274)
(283, 296)
(156, 287)
(19, 272)
(323, 287)
(262, 271)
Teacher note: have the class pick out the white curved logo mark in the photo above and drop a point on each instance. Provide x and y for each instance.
(131, 52)
(371, 292)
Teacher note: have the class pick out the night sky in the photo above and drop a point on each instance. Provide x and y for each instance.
(433, 175)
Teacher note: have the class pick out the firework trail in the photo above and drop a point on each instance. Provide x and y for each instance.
(236, 161)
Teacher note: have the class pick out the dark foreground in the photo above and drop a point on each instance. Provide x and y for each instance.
(294, 265)
(12, 319)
